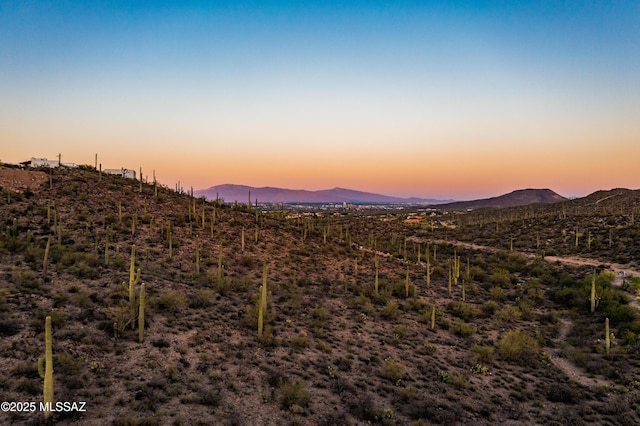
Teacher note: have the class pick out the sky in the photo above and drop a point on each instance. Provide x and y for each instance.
(438, 99)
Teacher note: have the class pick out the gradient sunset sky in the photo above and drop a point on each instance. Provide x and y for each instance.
(440, 99)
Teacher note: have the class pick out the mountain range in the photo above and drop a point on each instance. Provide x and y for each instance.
(242, 193)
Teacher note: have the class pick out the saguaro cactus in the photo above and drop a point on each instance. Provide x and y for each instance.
(45, 262)
(262, 306)
(433, 316)
(456, 267)
(593, 292)
(46, 370)
(406, 284)
(197, 258)
(170, 240)
(220, 271)
(375, 284)
(132, 282)
(429, 269)
(607, 339)
(143, 296)
(450, 279)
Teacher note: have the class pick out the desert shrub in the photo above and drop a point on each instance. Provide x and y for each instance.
(479, 369)
(344, 364)
(497, 293)
(203, 298)
(393, 370)
(25, 279)
(319, 313)
(500, 278)
(438, 272)
(533, 289)
(634, 285)
(171, 301)
(391, 310)
(415, 304)
(299, 341)
(455, 379)
(560, 392)
(246, 261)
(4, 295)
(481, 354)
(294, 393)
(400, 331)
(9, 327)
(69, 365)
(362, 303)
(82, 270)
(490, 307)
(210, 397)
(619, 314)
(363, 407)
(161, 343)
(518, 346)
(461, 328)
(508, 314)
(464, 311)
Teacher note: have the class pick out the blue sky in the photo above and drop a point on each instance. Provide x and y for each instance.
(450, 99)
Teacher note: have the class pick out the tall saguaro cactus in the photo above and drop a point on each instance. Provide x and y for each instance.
(133, 279)
(456, 267)
(143, 296)
(433, 316)
(45, 262)
(220, 270)
(607, 339)
(429, 269)
(170, 240)
(406, 284)
(262, 306)
(197, 257)
(593, 292)
(46, 370)
(375, 285)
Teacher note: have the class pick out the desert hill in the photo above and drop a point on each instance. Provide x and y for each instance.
(522, 197)
(362, 324)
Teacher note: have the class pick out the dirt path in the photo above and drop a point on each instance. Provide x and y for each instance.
(574, 373)
(621, 271)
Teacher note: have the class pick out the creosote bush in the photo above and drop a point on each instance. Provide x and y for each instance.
(393, 369)
(518, 346)
(294, 394)
(171, 301)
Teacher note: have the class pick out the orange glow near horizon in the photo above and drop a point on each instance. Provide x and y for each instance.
(409, 170)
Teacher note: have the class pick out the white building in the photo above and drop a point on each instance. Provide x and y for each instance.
(122, 172)
(39, 162)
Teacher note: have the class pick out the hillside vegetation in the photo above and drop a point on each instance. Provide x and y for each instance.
(365, 319)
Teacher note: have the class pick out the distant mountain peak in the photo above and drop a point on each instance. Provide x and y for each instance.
(232, 192)
(519, 197)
